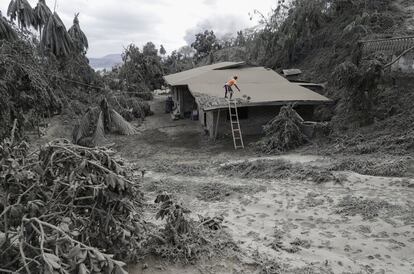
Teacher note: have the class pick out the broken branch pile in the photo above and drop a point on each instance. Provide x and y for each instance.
(367, 208)
(66, 210)
(183, 239)
(283, 133)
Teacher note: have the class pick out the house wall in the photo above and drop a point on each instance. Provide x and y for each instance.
(183, 99)
(258, 116)
(202, 117)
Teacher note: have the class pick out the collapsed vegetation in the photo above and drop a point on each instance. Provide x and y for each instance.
(183, 239)
(367, 208)
(283, 133)
(282, 169)
(65, 209)
(96, 122)
(398, 167)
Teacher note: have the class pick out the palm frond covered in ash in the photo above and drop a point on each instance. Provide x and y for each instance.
(55, 37)
(86, 126)
(6, 30)
(42, 14)
(99, 134)
(96, 122)
(23, 12)
(121, 125)
(79, 38)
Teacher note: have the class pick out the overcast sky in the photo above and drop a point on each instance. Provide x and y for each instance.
(111, 25)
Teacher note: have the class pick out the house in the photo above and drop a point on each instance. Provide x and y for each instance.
(263, 92)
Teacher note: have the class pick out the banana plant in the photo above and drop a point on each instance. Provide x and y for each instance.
(42, 14)
(55, 37)
(23, 12)
(6, 31)
(79, 38)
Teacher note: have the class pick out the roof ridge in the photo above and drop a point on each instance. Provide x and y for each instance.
(195, 72)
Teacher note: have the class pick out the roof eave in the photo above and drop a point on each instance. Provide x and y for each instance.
(274, 103)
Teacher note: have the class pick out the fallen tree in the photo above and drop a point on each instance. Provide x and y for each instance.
(97, 121)
(283, 133)
(66, 209)
(183, 239)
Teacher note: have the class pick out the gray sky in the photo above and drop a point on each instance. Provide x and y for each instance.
(111, 25)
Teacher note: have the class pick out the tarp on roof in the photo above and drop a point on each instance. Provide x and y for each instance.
(263, 86)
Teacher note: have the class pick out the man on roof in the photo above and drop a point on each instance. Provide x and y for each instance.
(228, 87)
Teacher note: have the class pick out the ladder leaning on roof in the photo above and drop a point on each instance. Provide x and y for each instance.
(235, 125)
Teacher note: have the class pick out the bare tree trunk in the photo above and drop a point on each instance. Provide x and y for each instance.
(106, 114)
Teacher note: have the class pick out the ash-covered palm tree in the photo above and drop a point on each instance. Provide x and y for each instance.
(42, 14)
(6, 31)
(23, 12)
(55, 37)
(79, 38)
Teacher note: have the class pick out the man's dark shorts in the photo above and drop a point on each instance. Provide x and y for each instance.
(228, 89)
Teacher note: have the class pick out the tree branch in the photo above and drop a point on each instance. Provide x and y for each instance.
(398, 58)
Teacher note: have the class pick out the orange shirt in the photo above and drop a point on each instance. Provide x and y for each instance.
(232, 82)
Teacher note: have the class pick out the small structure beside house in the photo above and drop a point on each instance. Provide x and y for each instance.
(292, 75)
(393, 48)
(263, 91)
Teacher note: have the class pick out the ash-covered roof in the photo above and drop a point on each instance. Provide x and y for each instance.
(259, 86)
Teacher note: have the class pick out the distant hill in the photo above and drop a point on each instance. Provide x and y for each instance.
(107, 62)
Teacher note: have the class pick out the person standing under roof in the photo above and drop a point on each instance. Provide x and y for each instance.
(228, 87)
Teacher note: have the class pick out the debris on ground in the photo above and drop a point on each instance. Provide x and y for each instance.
(129, 107)
(367, 208)
(301, 243)
(279, 245)
(312, 200)
(266, 169)
(213, 223)
(279, 169)
(183, 239)
(187, 169)
(67, 207)
(214, 192)
(283, 133)
(397, 167)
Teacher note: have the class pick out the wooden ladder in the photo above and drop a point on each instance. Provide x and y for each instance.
(235, 125)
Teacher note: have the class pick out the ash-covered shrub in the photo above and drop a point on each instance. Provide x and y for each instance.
(283, 133)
